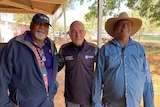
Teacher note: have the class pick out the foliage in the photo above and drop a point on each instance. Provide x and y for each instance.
(59, 27)
(147, 27)
(146, 8)
(22, 18)
(148, 37)
(107, 9)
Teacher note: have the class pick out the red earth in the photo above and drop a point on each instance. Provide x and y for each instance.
(155, 72)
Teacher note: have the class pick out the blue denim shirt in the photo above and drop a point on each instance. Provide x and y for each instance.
(123, 76)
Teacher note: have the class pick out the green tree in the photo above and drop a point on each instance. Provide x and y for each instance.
(146, 8)
(22, 18)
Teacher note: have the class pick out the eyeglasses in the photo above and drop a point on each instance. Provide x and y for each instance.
(121, 23)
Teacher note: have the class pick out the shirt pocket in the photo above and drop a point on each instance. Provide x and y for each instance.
(136, 62)
(112, 61)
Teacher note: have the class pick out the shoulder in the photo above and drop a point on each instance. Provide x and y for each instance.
(92, 44)
(89, 44)
(138, 45)
(108, 44)
(66, 45)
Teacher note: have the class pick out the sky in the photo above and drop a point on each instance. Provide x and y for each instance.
(79, 11)
(75, 14)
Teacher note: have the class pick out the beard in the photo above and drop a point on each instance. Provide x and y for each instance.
(40, 34)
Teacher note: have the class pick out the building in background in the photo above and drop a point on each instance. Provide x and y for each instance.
(8, 29)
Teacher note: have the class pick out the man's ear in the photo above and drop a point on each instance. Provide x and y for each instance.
(69, 32)
(31, 25)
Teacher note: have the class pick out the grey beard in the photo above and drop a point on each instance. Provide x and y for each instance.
(40, 35)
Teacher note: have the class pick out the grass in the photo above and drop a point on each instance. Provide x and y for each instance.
(147, 37)
(155, 51)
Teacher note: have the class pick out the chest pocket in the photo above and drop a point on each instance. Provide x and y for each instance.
(112, 61)
(136, 62)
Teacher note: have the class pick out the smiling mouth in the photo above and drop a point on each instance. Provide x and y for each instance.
(124, 31)
(41, 31)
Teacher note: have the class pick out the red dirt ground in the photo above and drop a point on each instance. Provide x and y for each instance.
(155, 72)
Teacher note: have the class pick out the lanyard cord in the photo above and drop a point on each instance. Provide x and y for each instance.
(41, 54)
(40, 51)
(40, 60)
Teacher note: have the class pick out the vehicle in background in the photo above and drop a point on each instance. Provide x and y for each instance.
(105, 37)
(59, 35)
(63, 34)
(54, 35)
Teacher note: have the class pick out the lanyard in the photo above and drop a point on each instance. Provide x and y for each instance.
(41, 58)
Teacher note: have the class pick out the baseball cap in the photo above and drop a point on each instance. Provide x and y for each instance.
(39, 17)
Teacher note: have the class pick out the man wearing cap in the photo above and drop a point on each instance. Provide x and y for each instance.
(28, 67)
(122, 72)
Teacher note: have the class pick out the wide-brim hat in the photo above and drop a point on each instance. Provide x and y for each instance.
(39, 17)
(110, 23)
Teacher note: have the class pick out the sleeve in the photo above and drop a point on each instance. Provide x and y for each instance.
(148, 94)
(5, 78)
(61, 59)
(97, 84)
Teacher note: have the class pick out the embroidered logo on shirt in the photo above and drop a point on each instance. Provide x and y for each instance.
(67, 58)
(89, 57)
(148, 75)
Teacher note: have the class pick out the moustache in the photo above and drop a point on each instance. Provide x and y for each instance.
(41, 31)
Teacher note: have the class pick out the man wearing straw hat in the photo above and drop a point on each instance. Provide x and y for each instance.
(122, 72)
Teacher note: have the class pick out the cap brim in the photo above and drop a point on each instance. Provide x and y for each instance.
(43, 21)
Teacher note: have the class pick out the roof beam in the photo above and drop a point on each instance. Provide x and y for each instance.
(11, 10)
(18, 5)
(51, 1)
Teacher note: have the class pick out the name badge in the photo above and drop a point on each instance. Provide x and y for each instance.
(68, 58)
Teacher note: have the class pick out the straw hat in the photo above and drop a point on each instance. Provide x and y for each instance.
(109, 25)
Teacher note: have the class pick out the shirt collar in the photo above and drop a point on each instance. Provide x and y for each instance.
(78, 47)
(118, 44)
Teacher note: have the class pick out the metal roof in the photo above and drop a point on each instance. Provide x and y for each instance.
(31, 6)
